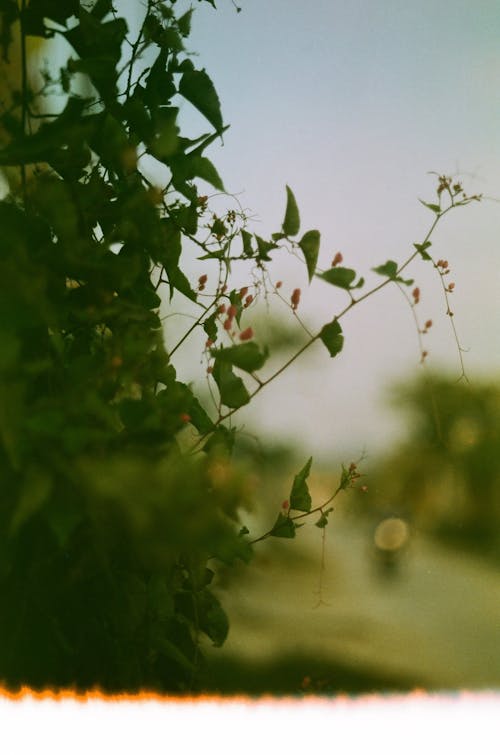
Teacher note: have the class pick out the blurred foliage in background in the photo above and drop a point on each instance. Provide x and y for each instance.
(444, 479)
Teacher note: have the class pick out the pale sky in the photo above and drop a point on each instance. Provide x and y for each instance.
(351, 103)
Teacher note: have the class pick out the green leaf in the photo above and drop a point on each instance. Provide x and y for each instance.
(198, 89)
(186, 167)
(309, 244)
(36, 12)
(210, 326)
(101, 8)
(342, 277)
(69, 128)
(199, 417)
(233, 392)
(291, 223)
(331, 335)
(187, 217)
(184, 23)
(322, 521)
(246, 356)
(235, 299)
(390, 269)
(434, 207)
(247, 243)
(264, 247)
(159, 85)
(300, 498)
(99, 48)
(203, 168)
(166, 139)
(421, 249)
(178, 280)
(283, 527)
(212, 618)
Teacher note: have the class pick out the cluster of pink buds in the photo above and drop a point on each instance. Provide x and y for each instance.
(244, 295)
(201, 282)
(443, 264)
(231, 313)
(416, 295)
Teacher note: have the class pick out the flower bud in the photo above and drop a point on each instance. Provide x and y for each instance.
(295, 298)
(337, 259)
(246, 335)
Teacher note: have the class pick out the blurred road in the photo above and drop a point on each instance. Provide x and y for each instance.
(435, 621)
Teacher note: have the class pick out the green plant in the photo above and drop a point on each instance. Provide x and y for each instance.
(118, 489)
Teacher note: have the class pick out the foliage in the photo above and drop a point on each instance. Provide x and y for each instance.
(454, 436)
(119, 493)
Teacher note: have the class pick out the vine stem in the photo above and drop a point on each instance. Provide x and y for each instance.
(135, 47)
(190, 330)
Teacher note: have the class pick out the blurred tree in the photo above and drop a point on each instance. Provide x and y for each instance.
(445, 477)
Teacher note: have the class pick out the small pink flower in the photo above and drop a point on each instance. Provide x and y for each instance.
(337, 259)
(295, 298)
(246, 335)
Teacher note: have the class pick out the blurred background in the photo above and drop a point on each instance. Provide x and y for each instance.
(401, 590)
